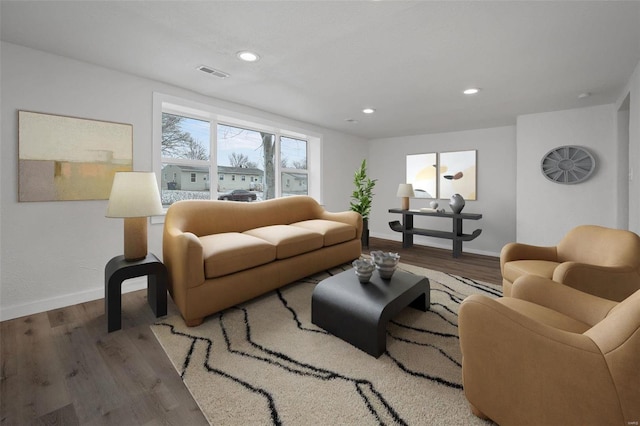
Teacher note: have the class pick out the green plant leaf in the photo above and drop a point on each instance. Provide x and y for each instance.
(363, 193)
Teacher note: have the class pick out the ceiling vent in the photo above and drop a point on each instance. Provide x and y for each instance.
(213, 71)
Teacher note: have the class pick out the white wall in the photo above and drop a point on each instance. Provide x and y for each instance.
(548, 210)
(496, 168)
(53, 253)
(623, 160)
(633, 91)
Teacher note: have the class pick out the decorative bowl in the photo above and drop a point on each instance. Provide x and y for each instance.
(386, 263)
(364, 269)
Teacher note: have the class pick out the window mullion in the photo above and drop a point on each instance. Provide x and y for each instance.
(213, 140)
(277, 166)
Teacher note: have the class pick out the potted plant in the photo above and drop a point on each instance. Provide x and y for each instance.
(362, 197)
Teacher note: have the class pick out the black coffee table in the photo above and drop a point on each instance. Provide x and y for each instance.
(359, 313)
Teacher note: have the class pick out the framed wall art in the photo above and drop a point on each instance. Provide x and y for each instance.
(458, 174)
(422, 174)
(64, 158)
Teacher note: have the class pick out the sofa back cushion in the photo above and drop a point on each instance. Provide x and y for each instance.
(207, 217)
(333, 232)
(597, 245)
(289, 240)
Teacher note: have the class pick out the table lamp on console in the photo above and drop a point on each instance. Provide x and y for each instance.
(405, 190)
(134, 197)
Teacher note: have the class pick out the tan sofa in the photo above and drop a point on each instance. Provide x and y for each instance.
(551, 355)
(221, 253)
(601, 261)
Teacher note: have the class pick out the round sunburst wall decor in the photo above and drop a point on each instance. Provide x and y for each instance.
(568, 164)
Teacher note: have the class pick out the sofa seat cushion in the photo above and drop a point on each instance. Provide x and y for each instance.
(231, 252)
(332, 231)
(289, 240)
(517, 268)
(544, 315)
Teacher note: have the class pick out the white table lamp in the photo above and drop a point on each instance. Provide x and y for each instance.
(134, 197)
(405, 190)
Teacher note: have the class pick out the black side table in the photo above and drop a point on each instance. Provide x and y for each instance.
(118, 270)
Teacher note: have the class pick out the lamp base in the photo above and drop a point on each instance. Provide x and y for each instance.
(135, 238)
(405, 203)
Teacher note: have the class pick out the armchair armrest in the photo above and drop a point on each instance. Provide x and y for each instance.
(519, 251)
(576, 304)
(610, 282)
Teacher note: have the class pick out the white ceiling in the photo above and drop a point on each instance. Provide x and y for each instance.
(323, 61)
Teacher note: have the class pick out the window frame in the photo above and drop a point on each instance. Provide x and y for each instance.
(215, 115)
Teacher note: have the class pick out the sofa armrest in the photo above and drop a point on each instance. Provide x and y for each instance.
(519, 251)
(349, 217)
(576, 304)
(183, 257)
(611, 282)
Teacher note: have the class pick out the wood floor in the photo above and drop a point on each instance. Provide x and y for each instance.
(62, 367)
(474, 266)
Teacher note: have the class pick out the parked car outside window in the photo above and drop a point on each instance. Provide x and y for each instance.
(238, 195)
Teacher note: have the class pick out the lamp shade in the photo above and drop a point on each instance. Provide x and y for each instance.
(405, 190)
(134, 194)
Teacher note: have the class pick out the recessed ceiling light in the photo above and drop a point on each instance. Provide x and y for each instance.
(584, 95)
(351, 120)
(368, 110)
(471, 91)
(247, 56)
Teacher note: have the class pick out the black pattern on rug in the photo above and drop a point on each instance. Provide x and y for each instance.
(209, 343)
(241, 343)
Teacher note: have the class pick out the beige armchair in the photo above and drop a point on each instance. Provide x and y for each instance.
(551, 355)
(601, 261)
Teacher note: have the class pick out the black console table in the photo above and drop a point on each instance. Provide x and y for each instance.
(408, 231)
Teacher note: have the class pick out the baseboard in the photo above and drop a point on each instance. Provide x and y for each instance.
(446, 246)
(44, 305)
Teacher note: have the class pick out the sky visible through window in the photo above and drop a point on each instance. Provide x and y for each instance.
(239, 141)
(246, 142)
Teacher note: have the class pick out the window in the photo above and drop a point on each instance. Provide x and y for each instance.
(257, 150)
(253, 150)
(185, 153)
(198, 139)
(293, 156)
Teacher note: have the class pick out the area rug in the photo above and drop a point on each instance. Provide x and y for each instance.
(264, 362)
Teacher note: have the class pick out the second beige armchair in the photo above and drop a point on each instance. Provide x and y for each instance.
(601, 261)
(551, 355)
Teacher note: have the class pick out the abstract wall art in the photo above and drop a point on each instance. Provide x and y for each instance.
(64, 158)
(458, 174)
(422, 174)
